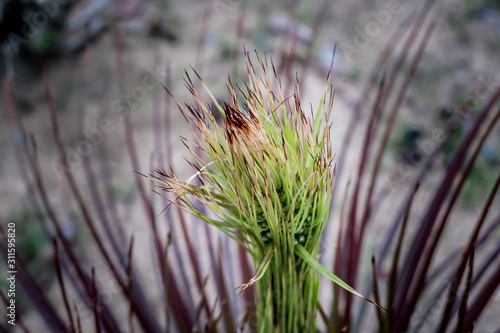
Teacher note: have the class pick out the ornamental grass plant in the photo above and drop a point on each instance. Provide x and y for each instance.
(267, 180)
(265, 175)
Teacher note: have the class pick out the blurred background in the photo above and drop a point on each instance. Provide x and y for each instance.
(108, 59)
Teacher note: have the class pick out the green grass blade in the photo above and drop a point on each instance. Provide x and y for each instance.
(309, 259)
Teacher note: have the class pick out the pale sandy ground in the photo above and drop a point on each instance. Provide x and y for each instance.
(100, 90)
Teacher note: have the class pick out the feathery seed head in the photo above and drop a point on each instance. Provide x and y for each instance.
(267, 174)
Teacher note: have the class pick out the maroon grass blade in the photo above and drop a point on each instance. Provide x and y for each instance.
(62, 287)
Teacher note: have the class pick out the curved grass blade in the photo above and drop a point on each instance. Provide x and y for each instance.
(309, 259)
(261, 270)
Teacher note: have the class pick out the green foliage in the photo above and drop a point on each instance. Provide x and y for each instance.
(461, 19)
(268, 180)
(406, 142)
(479, 179)
(354, 74)
(43, 40)
(31, 243)
(33, 249)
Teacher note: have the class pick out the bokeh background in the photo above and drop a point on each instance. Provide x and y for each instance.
(72, 45)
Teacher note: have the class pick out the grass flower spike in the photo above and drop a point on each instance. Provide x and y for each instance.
(266, 175)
